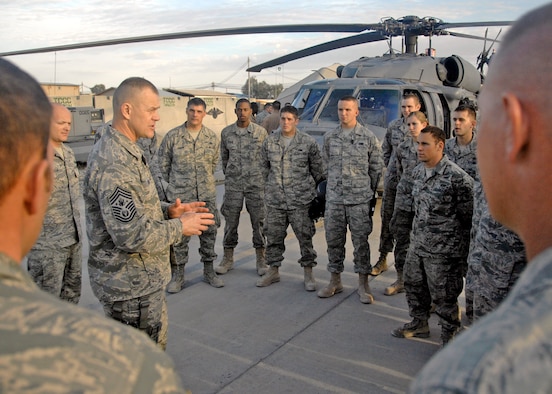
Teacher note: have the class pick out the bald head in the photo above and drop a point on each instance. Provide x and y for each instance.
(60, 126)
(515, 135)
(522, 63)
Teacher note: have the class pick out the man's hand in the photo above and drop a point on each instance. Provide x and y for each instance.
(179, 208)
(195, 223)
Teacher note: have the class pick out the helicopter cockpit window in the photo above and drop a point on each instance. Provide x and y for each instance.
(329, 113)
(378, 107)
(307, 102)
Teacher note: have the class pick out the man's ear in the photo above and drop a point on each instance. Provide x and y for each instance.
(517, 127)
(126, 109)
(38, 185)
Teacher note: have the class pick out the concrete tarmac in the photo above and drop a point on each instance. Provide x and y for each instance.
(282, 339)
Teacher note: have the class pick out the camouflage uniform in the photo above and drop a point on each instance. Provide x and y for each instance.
(129, 238)
(240, 151)
(188, 167)
(354, 164)
(505, 352)
(291, 174)
(439, 241)
(51, 346)
(406, 158)
(496, 259)
(55, 261)
(396, 133)
(466, 158)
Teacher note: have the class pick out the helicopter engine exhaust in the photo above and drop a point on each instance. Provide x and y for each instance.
(460, 73)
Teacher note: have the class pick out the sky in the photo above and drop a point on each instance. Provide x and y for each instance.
(201, 62)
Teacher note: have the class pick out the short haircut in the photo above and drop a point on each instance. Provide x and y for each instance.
(410, 95)
(267, 105)
(290, 109)
(127, 88)
(276, 105)
(255, 107)
(243, 100)
(470, 109)
(349, 98)
(419, 115)
(196, 102)
(25, 116)
(436, 132)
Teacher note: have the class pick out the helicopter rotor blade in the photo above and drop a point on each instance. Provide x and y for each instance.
(312, 28)
(462, 35)
(473, 24)
(327, 46)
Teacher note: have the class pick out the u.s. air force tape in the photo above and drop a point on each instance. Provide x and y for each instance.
(122, 204)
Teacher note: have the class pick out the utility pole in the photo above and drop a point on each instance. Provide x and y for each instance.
(248, 81)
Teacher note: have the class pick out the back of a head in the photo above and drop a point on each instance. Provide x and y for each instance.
(276, 105)
(25, 114)
(522, 63)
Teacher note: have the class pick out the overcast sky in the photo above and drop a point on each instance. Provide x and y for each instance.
(198, 62)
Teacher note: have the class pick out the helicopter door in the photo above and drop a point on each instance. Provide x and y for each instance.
(433, 108)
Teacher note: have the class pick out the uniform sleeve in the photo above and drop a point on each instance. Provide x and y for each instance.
(316, 163)
(265, 163)
(376, 163)
(224, 153)
(387, 147)
(132, 215)
(216, 156)
(164, 158)
(326, 155)
(465, 206)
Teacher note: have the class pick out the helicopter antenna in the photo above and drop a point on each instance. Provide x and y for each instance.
(484, 57)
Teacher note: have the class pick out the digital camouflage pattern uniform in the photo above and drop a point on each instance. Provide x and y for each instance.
(128, 235)
(466, 158)
(291, 174)
(496, 259)
(508, 350)
(55, 261)
(353, 162)
(188, 167)
(406, 159)
(396, 133)
(50, 346)
(240, 151)
(439, 242)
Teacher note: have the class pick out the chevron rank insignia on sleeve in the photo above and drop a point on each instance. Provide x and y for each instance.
(122, 205)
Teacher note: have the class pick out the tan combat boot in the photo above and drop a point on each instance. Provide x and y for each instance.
(381, 265)
(261, 261)
(333, 287)
(364, 291)
(271, 276)
(396, 287)
(227, 262)
(310, 283)
(177, 281)
(210, 276)
(416, 328)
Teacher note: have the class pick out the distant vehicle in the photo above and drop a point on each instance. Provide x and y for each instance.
(85, 122)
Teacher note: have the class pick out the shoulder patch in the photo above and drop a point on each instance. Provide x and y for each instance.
(122, 204)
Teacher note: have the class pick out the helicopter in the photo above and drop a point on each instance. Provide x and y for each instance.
(378, 82)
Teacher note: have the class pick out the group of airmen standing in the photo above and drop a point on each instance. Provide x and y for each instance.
(427, 210)
(130, 228)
